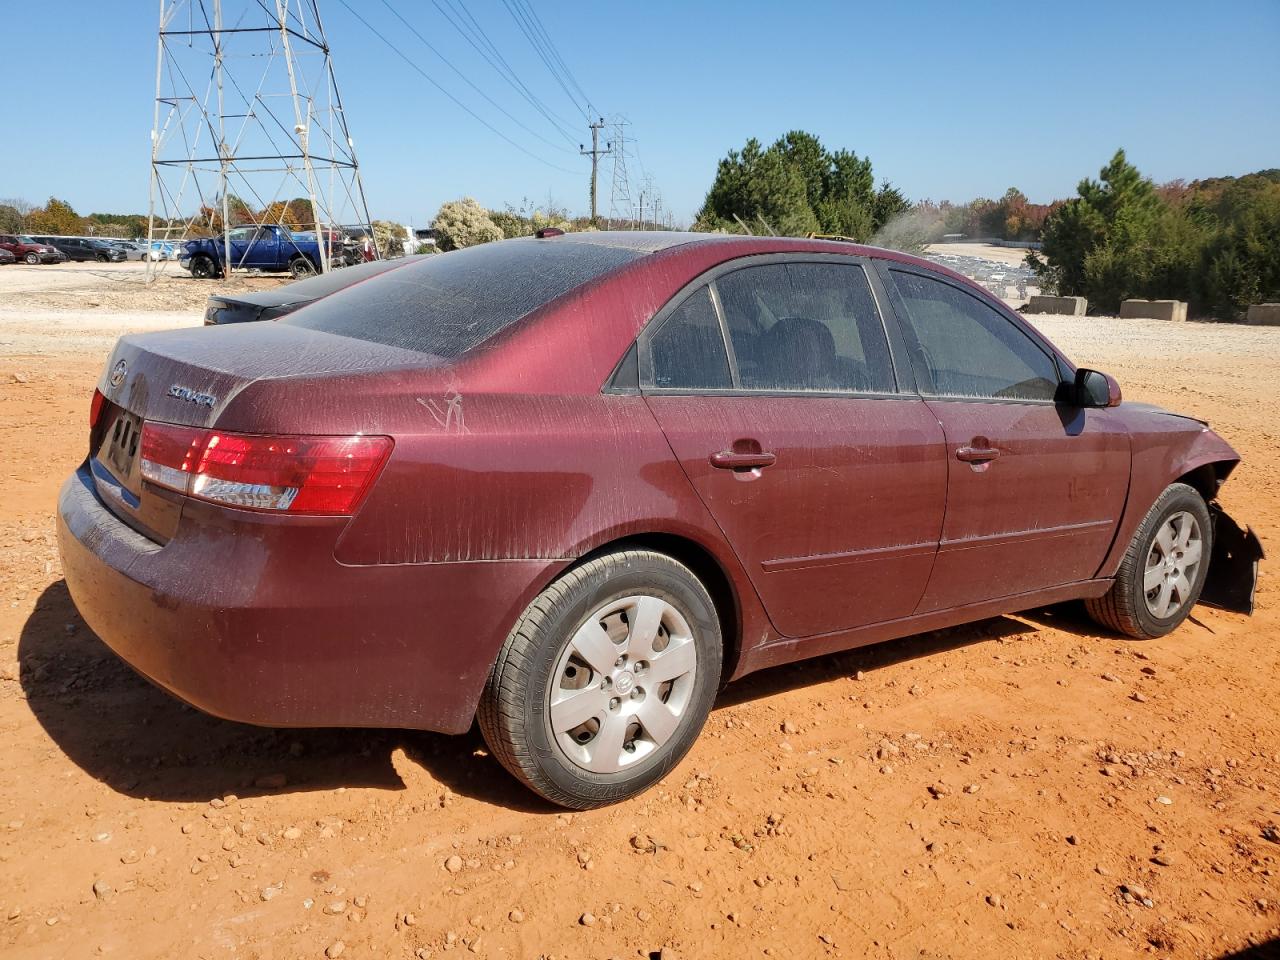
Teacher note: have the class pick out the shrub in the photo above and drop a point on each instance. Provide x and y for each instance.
(464, 223)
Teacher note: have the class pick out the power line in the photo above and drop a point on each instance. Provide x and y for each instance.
(555, 52)
(467, 81)
(462, 106)
(493, 56)
(530, 33)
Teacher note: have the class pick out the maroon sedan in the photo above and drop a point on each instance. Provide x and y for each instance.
(568, 485)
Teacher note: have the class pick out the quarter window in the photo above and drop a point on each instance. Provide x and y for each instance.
(688, 349)
(964, 348)
(806, 327)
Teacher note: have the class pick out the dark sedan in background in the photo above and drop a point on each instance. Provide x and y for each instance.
(283, 300)
(85, 248)
(566, 486)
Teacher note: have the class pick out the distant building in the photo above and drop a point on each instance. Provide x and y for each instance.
(423, 235)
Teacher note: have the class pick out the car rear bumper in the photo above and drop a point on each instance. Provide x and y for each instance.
(249, 617)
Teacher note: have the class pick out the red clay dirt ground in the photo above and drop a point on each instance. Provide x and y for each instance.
(992, 790)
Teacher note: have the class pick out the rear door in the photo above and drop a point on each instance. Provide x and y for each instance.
(1035, 488)
(775, 385)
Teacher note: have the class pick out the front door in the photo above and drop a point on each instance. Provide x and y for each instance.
(1035, 488)
(825, 479)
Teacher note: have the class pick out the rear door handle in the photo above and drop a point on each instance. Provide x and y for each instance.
(977, 454)
(727, 460)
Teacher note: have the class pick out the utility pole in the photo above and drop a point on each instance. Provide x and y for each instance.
(595, 153)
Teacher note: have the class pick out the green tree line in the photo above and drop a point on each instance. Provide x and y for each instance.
(1213, 243)
(796, 187)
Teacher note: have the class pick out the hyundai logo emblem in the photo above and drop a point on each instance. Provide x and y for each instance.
(118, 372)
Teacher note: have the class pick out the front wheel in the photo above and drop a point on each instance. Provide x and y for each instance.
(1164, 569)
(32, 258)
(606, 680)
(203, 268)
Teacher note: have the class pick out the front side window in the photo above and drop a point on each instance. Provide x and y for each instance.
(243, 233)
(687, 352)
(964, 348)
(806, 327)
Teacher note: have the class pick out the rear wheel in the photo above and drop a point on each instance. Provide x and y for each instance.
(203, 268)
(301, 267)
(606, 680)
(1164, 569)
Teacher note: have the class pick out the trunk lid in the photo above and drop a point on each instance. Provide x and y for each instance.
(190, 377)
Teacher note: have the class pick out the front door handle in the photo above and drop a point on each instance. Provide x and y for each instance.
(977, 454)
(728, 460)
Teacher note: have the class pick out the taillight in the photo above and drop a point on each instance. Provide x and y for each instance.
(317, 475)
(95, 408)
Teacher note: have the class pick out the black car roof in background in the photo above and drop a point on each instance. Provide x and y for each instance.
(313, 288)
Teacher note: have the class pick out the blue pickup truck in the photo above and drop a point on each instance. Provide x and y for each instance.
(269, 248)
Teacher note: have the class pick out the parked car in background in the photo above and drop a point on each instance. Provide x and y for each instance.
(163, 250)
(86, 248)
(273, 304)
(269, 248)
(30, 250)
(6, 257)
(566, 486)
(132, 250)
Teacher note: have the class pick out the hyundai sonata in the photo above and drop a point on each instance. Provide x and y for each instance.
(567, 485)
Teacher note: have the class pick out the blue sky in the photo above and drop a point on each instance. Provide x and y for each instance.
(950, 99)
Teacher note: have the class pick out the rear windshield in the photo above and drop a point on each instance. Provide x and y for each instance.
(322, 285)
(449, 303)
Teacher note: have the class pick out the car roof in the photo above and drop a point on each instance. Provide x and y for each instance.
(655, 241)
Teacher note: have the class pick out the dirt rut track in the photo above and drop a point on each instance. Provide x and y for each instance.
(992, 790)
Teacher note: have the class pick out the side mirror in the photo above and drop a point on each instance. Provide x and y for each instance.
(1093, 388)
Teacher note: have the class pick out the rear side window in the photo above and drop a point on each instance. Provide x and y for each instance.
(688, 350)
(807, 327)
(449, 303)
(964, 348)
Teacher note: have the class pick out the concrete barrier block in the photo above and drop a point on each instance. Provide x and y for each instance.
(1070, 306)
(1153, 310)
(1264, 315)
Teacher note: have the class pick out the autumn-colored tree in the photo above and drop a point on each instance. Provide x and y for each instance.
(56, 217)
(281, 214)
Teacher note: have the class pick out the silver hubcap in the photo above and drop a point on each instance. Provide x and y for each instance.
(622, 684)
(1172, 564)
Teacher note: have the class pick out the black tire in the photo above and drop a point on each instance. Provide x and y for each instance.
(301, 267)
(203, 268)
(1125, 608)
(32, 258)
(515, 708)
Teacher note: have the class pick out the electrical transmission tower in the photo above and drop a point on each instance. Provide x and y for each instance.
(621, 207)
(249, 128)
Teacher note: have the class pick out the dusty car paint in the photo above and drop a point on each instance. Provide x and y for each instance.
(527, 453)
